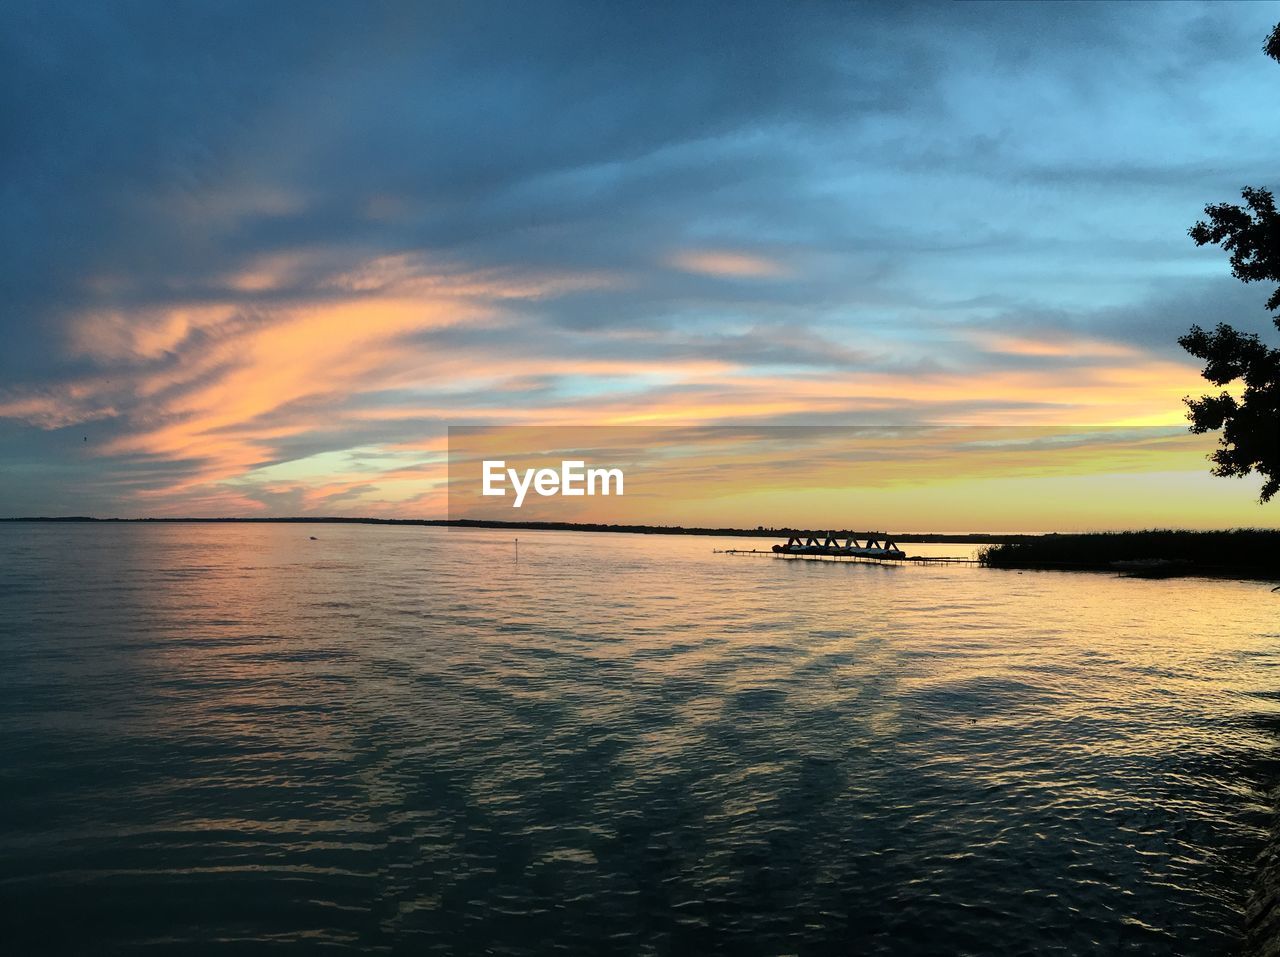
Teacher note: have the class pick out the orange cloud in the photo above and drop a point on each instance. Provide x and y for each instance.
(220, 388)
(726, 263)
(1064, 346)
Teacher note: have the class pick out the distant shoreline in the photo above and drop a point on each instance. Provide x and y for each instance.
(973, 538)
(1053, 540)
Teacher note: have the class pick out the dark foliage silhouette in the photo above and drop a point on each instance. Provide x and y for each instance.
(1241, 552)
(1250, 424)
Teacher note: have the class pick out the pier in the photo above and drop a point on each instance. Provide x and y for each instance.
(876, 549)
(862, 559)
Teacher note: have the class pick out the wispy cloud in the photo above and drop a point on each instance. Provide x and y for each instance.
(726, 263)
(258, 260)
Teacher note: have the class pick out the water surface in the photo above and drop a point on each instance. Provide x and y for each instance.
(231, 738)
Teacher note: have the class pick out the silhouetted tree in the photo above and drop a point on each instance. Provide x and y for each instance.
(1250, 425)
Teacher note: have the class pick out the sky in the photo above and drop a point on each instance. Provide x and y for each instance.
(257, 258)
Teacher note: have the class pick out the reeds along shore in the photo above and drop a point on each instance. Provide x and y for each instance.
(1251, 553)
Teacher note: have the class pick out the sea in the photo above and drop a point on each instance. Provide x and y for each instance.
(283, 738)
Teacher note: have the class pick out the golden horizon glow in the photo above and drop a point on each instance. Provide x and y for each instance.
(222, 390)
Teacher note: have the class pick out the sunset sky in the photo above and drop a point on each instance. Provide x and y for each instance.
(258, 257)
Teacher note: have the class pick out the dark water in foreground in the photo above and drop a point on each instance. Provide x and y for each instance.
(232, 739)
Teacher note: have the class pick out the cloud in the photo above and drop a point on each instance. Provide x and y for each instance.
(240, 237)
(726, 263)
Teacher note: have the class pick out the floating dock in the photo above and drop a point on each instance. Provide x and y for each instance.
(879, 551)
(864, 559)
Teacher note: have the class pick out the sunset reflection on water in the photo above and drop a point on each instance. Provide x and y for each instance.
(414, 739)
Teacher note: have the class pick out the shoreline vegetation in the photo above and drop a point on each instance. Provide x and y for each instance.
(1159, 553)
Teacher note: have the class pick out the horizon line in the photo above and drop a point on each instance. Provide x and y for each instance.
(620, 528)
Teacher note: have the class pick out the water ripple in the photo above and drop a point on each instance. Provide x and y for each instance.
(219, 738)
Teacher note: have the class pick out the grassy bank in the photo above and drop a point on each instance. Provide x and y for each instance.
(1253, 553)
